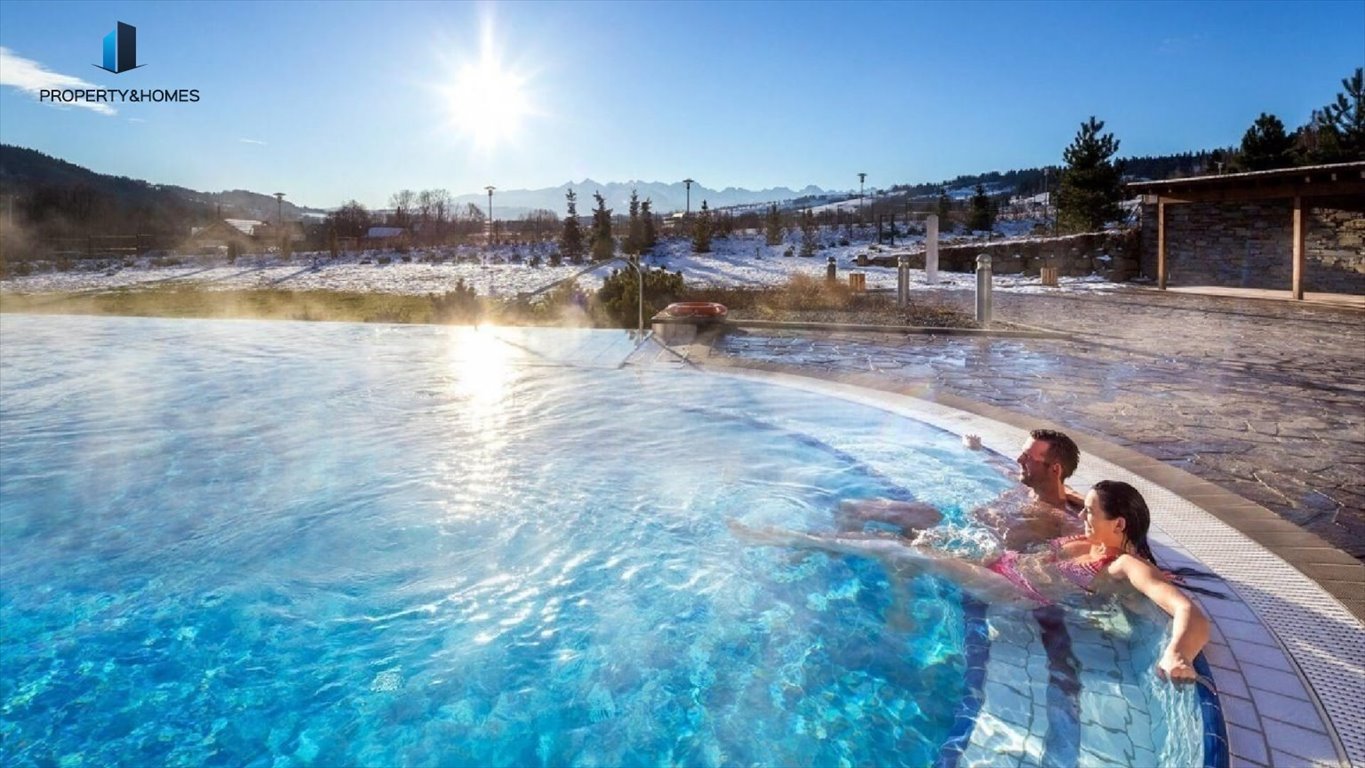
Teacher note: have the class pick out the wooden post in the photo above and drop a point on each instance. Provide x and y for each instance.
(1161, 244)
(1298, 248)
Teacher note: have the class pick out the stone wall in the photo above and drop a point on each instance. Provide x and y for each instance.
(1112, 255)
(1250, 245)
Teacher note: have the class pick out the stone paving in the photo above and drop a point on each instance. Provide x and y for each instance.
(1265, 399)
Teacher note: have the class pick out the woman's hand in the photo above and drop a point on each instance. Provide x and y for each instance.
(1175, 668)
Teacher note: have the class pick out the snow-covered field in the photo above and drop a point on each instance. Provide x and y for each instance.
(740, 260)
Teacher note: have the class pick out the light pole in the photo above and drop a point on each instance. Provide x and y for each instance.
(279, 217)
(689, 184)
(861, 177)
(490, 189)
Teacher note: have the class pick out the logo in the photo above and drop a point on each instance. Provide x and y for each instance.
(120, 49)
(120, 55)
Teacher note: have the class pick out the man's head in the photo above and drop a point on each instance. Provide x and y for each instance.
(1048, 457)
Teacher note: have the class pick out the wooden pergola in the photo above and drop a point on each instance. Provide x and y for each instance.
(1343, 181)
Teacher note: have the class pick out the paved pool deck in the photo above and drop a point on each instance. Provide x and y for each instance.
(1241, 417)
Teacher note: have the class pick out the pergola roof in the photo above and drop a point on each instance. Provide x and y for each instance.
(1336, 180)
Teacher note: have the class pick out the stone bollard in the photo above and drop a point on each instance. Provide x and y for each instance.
(830, 269)
(983, 289)
(903, 280)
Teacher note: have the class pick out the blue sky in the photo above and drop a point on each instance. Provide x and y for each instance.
(328, 102)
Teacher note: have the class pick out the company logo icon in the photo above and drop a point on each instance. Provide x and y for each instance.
(120, 49)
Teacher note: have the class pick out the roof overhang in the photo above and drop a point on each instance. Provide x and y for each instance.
(1337, 180)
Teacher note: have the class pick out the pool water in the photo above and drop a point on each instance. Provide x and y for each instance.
(242, 543)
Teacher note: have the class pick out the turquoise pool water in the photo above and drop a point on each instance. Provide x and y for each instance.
(240, 543)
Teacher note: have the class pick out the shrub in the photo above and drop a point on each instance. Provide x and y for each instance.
(461, 305)
(617, 296)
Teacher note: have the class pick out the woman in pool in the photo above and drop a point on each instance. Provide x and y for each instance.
(1113, 550)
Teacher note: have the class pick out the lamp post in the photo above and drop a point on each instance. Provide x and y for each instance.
(490, 189)
(279, 217)
(861, 178)
(689, 184)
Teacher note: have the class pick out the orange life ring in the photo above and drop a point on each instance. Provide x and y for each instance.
(700, 309)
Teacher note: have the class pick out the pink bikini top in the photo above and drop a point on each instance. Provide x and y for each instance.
(1081, 574)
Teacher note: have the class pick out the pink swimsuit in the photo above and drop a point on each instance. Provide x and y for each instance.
(1081, 574)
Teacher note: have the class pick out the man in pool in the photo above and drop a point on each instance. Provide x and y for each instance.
(1041, 508)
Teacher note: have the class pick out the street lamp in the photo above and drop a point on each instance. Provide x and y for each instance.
(689, 184)
(490, 189)
(861, 177)
(279, 217)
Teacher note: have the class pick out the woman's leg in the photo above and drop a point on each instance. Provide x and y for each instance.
(972, 577)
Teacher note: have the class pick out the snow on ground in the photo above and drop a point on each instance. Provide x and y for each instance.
(740, 260)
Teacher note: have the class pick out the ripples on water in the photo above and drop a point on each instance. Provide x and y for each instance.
(236, 542)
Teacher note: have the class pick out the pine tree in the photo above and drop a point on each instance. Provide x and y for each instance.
(1265, 145)
(603, 246)
(650, 238)
(635, 234)
(1089, 192)
(1341, 124)
(701, 230)
(810, 233)
(571, 239)
(982, 216)
(945, 207)
(773, 233)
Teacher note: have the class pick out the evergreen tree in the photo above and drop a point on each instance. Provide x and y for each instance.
(701, 230)
(650, 237)
(810, 233)
(1341, 124)
(1089, 192)
(1265, 145)
(635, 233)
(982, 216)
(773, 231)
(571, 239)
(603, 246)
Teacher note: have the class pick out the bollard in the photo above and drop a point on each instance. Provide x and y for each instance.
(983, 289)
(830, 269)
(903, 280)
(931, 249)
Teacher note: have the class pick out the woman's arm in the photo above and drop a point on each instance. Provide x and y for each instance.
(1189, 626)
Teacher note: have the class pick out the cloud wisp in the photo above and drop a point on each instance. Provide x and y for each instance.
(252, 141)
(31, 77)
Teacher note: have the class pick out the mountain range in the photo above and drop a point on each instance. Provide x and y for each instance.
(664, 198)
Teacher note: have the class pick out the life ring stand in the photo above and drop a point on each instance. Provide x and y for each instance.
(698, 310)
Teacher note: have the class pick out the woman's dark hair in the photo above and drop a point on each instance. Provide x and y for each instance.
(1119, 499)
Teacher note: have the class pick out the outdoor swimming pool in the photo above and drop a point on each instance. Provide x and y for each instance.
(245, 543)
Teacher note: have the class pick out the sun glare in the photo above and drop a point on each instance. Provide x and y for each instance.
(487, 100)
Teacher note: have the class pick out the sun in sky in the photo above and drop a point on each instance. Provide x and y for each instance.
(487, 100)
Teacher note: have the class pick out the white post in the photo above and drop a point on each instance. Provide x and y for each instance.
(983, 289)
(903, 280)
(931, 249)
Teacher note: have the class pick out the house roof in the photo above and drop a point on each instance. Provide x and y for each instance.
(1337, 179)
(245, 226)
